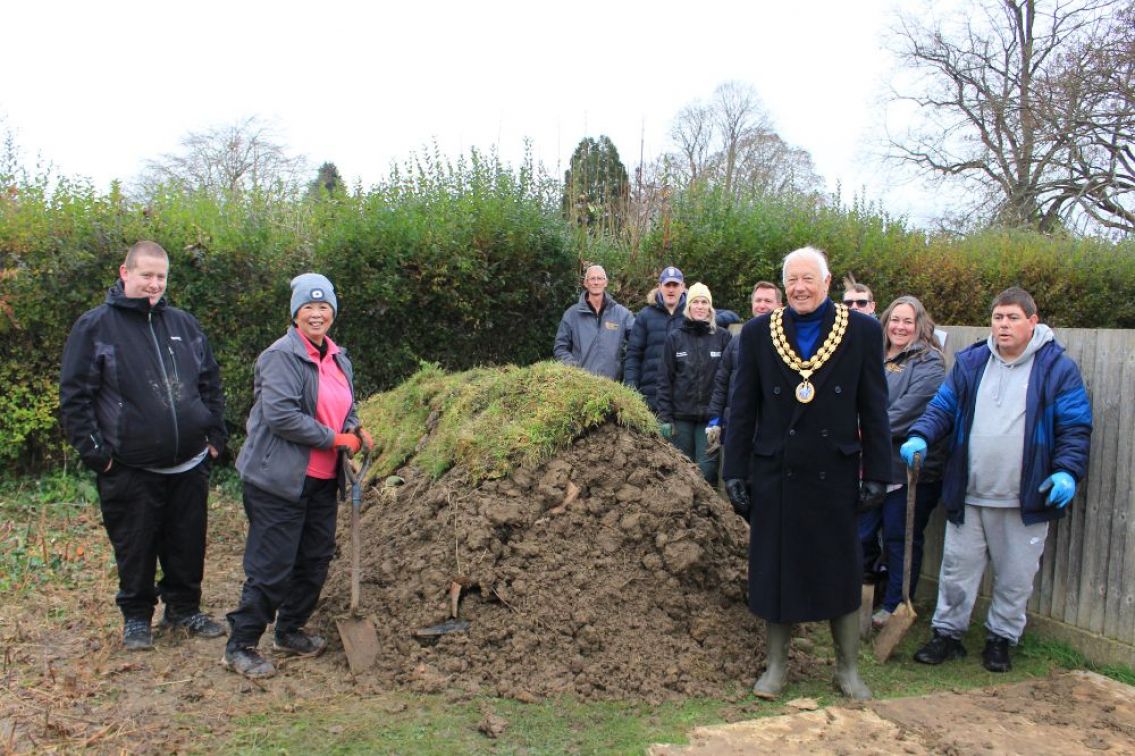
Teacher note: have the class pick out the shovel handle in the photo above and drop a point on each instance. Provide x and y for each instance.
(354, 551)
(355, 476)
(908, 535)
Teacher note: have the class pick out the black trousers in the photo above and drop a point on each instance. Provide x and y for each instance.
(151, 519)
(289, 548)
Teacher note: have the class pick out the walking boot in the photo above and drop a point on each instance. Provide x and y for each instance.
(995, 657)
(845, 636)
(772, 681)
(940, 648)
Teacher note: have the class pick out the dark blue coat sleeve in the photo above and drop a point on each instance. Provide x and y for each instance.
(719, 400)
(743, 404)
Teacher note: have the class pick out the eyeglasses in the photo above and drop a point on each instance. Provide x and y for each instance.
(857, 302)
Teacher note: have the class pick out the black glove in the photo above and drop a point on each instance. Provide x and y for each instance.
(871, 494)
(738, 491)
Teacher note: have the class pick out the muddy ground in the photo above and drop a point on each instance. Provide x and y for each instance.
(611, 572)
(1071, 713)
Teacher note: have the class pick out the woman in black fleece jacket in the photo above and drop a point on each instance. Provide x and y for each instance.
(685, 383)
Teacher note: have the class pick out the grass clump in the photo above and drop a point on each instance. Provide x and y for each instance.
(491, 420)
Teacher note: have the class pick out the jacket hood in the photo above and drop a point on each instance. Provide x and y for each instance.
(116, 297)
(697, 326)
(910, 350)
(655, 298)
(726, 318)
(1042, 334)
(608, 300)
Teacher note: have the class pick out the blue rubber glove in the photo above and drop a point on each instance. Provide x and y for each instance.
(1061, 487)
(667, 430)
(914, 445)
(713, 423)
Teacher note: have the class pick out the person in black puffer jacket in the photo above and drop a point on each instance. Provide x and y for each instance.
(690, 360)
(652, 324)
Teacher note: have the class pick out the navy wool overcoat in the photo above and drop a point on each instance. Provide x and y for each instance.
(803, 463)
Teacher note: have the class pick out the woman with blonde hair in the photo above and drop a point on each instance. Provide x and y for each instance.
(690, 360)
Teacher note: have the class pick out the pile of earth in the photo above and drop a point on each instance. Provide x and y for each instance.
(611, 571)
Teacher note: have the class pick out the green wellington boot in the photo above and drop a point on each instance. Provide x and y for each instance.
(845, 635)
(772, 681)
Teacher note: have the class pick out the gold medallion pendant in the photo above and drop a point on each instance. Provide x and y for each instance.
(805, 391)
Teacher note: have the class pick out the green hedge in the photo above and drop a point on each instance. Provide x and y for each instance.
(456, 263)
(1077, 282)
(463, 265)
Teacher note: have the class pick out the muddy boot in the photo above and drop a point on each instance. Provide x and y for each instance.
(845, 636)
(772, 681)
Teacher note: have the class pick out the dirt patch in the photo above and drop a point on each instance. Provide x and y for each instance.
(1071, 713)
(611, 571)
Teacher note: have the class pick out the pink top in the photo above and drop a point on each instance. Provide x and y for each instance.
(332, 405)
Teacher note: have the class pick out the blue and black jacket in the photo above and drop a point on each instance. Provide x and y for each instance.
(1058, 427)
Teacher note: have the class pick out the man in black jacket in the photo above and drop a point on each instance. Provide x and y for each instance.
(652, 324)
(140, 399)
(808, 412)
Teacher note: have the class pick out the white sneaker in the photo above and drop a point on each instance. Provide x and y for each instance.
(879, 618)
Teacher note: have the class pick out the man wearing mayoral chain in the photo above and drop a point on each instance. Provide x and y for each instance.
(807, 446)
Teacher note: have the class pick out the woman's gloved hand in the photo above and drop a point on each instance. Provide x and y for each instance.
(348, 442)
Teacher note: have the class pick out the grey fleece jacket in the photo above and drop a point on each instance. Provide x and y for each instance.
(913, 377)
(997, 440)
(594, 341)
(282, 429)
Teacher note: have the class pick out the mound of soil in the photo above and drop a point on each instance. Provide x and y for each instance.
(612, 570)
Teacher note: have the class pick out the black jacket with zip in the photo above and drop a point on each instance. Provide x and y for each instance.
(689, 365)
(139, 385)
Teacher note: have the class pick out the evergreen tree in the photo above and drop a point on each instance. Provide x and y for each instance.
(596, 186)
(327, 182)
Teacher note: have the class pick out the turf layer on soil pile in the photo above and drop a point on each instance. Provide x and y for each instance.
(490, 420)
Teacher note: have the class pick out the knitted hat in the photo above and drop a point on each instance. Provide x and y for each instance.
(312, 287)
(699, 290)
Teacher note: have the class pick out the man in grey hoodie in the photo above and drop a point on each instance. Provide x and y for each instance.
(593, 332)
(1021, 423)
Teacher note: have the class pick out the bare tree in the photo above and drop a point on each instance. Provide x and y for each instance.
(1095, 91)
(240, 157)
(730, 143)
(766, 165)
(692, 131)
(993, 112)
(738, 112)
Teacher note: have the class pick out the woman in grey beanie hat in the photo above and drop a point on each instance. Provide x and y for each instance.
(313, 287)
(302, 415)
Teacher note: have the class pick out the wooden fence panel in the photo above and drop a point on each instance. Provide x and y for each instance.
(1094, 536)
(1120, 622)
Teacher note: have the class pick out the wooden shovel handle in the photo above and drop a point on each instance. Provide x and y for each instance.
(908, 536)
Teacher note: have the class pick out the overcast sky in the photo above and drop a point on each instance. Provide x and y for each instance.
(97, 88)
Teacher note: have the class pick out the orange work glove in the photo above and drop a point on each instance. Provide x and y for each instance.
(348, 442)
(368, 442)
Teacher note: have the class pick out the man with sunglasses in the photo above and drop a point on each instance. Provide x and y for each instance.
(858, 296)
